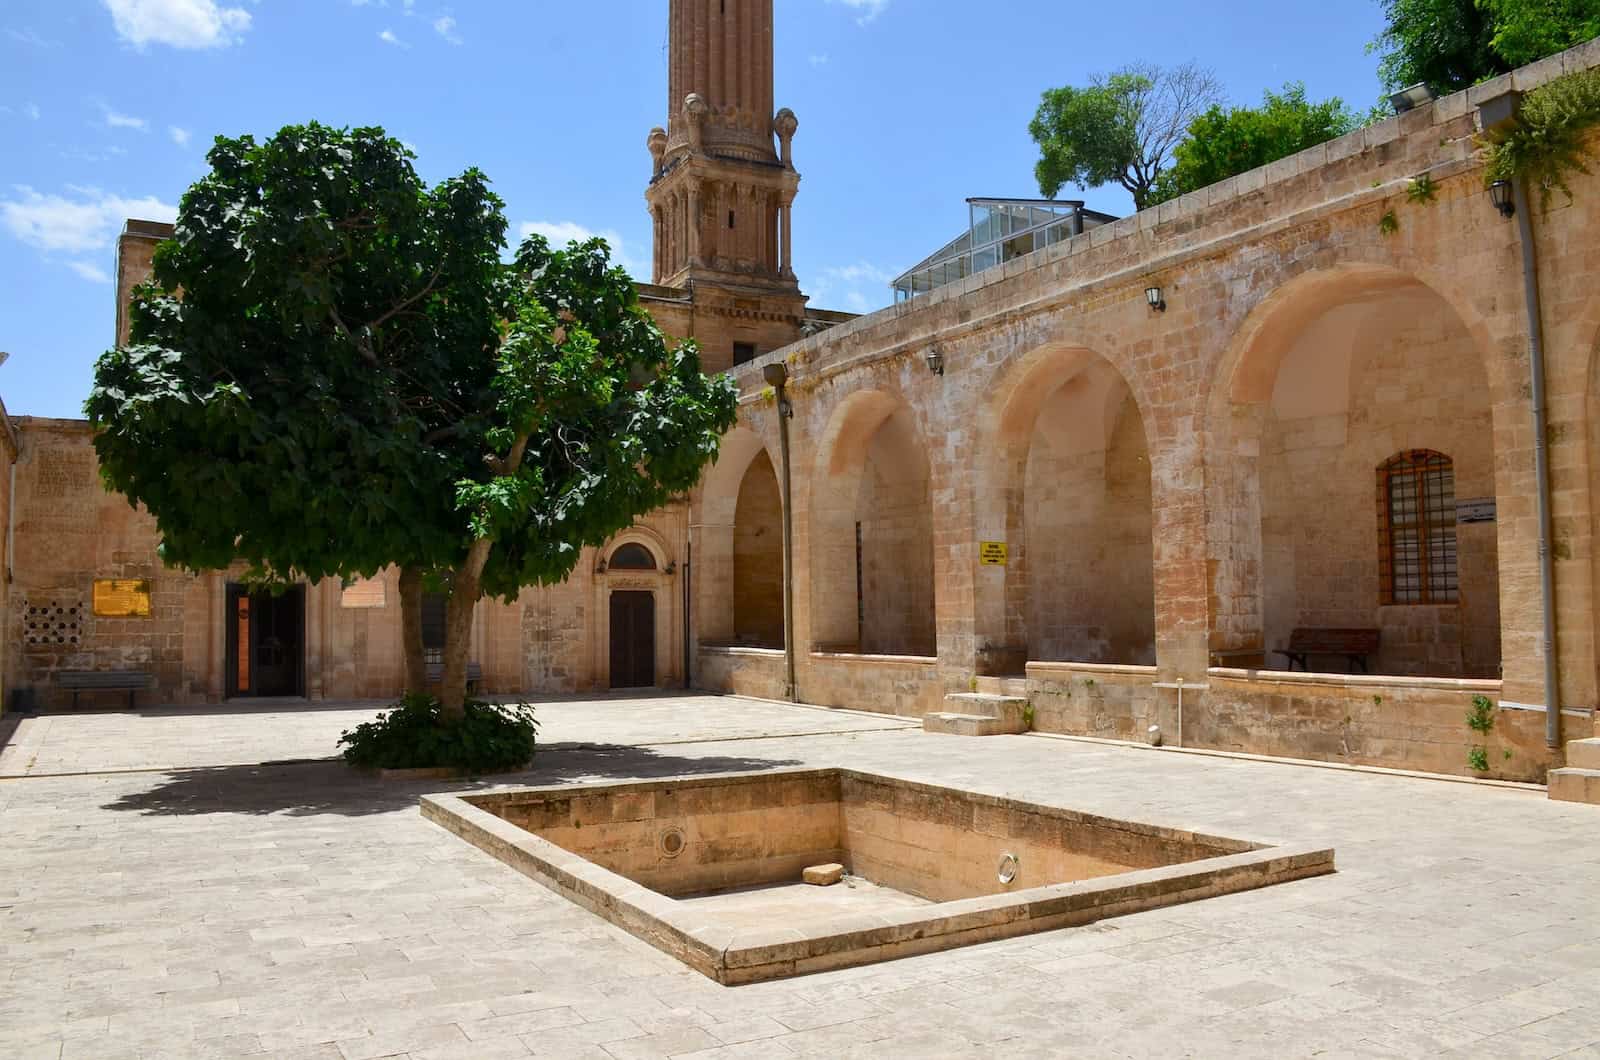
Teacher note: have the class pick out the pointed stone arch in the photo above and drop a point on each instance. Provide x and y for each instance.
(1327, 377)
(1066, 484)
(871, 530)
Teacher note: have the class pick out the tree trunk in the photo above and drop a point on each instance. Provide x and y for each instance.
(466, 586)
(411, 629)
(457, 642)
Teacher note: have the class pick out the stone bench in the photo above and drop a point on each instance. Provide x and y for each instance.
(474, 674)
(129, 681)
(1356, 645)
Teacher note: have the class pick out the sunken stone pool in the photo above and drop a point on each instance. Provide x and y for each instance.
(709, 868)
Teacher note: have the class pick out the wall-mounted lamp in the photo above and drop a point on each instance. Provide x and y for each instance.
(776, 375)
(672, 567)
(935, 359)
(1153, 296)
(1500, 193)
(1410, 98)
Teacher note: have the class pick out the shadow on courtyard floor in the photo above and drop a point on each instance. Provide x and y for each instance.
(328, 786)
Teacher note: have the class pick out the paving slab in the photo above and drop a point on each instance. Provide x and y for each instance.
(225, 909)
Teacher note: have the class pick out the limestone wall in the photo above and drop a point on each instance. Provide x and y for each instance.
(1262, 502)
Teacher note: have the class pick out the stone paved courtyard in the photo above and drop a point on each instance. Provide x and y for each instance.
(204, 905)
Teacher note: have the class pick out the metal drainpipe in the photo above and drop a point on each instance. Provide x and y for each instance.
(777, 376)
(1541, 461)
(688, 600)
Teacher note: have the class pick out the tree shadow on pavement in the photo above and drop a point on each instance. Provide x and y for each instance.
(328, 786)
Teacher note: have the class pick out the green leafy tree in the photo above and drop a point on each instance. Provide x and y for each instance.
(1526, 31)
(1225, 142)
(1453, 44)
(334, 369)
(1121, 129)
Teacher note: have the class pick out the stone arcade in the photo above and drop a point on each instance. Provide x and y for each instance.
(1325, 426)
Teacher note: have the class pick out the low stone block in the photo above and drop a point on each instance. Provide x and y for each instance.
(823, 875)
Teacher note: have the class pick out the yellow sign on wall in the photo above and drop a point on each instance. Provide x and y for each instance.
(992, 553)
(122, 597)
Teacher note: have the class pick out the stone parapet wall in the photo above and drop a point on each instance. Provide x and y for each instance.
(757, 672)
(907, 686)
(1401, 723)
(1081, 699)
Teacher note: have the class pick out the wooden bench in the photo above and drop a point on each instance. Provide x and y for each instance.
(129, 681)
(1354, 644)
(474, 674)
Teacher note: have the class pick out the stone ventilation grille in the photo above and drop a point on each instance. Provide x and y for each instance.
(54, 624)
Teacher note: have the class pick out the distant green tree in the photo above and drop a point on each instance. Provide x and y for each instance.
(1444, 44)
(1121, 129)
(334, 369)
(1526, 31)
(1452, 44)
(1223, 143)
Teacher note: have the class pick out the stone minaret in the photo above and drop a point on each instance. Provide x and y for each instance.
(722, 182)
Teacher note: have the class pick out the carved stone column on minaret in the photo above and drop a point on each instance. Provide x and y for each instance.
(657, 143)
(785, 124)
(694, 116)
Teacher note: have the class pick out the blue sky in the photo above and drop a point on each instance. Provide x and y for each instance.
(906, 108)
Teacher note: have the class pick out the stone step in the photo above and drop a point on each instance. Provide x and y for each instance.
(1003, 686)
(985, 703)
(969, 724)
(1583, 754)
(1575, 785)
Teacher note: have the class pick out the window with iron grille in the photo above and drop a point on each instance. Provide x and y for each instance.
(1417, 529)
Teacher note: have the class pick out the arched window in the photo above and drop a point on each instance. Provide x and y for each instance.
(632, 557)
(1417, 529)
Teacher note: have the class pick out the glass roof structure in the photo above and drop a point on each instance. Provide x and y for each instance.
(998, 230)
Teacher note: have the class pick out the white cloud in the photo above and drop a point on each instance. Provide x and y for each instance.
(87, 222)
(89, 271)
(116, 120)
(817, 60)
(445, 26)
(868, 9)
(560, 233)
(180, 23)
(388, 37)
(179, 136)
(31, 110)
(859, 288)
(104, 154)
(28, 36)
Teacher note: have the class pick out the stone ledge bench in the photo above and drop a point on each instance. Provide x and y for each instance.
(129, 681)
(1356, 645)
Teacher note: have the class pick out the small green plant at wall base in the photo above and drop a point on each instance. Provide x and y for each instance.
(1027, 715)
(1389, 224)
(1505, 753)
(972, 683)
(1422, 189)
(1377, 701)
(1481, 720)
(1478, 759)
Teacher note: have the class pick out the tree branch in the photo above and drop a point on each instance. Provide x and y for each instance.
(358, 342)
(403, 306)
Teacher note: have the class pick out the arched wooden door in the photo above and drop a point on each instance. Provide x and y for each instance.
(633, 639)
